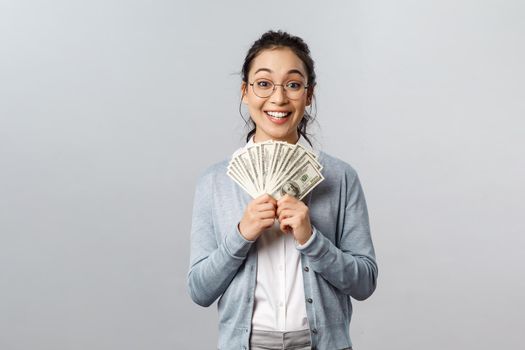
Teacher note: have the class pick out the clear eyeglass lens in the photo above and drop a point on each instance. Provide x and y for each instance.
(265, 88)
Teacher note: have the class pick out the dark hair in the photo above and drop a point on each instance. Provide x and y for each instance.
(280, 39)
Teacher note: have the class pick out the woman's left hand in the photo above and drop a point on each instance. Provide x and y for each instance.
(294, 218)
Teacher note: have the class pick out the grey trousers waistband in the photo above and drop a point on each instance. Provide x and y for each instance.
(270, 340)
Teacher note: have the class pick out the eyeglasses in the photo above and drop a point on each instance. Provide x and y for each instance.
(265, 88)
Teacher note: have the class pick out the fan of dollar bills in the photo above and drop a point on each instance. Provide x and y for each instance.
(276, 168)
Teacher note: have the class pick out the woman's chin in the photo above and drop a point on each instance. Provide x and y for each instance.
(287, 137)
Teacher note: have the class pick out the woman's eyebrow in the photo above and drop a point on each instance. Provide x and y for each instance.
(291, 71)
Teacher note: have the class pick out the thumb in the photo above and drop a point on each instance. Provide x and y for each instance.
(285, 228)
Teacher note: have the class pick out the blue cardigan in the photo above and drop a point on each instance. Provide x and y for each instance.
(338, 264)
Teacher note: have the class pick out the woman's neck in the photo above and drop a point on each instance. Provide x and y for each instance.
(292, 140)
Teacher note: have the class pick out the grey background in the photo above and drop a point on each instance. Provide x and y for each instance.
(110, 109)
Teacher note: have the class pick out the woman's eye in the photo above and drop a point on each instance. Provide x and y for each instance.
(264, 84)
(293, 85)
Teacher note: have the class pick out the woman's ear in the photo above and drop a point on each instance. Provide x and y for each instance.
(243, 92)
(309, 95)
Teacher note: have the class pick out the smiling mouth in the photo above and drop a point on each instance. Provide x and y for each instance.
(278, 115)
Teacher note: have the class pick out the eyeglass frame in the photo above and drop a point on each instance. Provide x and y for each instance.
(275, 87)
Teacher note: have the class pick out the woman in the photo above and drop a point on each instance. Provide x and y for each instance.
(283, 270)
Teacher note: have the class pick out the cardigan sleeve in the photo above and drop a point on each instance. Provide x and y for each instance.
(352, 266)
(213, 262)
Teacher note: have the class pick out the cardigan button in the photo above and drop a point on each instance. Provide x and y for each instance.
(314, 331)
(309, 300)
(306, 268)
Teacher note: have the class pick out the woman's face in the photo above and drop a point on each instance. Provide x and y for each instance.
(279, 65)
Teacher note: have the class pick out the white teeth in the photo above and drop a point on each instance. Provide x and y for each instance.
(278, 114)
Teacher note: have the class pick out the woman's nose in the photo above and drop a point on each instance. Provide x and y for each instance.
(279, 94)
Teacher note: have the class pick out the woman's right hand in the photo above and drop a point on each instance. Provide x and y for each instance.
(259, 215)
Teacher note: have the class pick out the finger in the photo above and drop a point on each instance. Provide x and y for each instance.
(265, 198)
(287, 199)
(286, 213)
(266, 214)
(266, 223)
(272, 200)
(285, 226)
(264, 207)
(280, 209)
(282, 200)
(262, 198)
(287, 206)
(289, 202)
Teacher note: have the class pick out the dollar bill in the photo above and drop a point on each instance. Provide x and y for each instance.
(300, 181)
(276, 168)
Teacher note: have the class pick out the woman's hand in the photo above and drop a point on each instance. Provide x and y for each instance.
(294, 217)
(258, 216)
